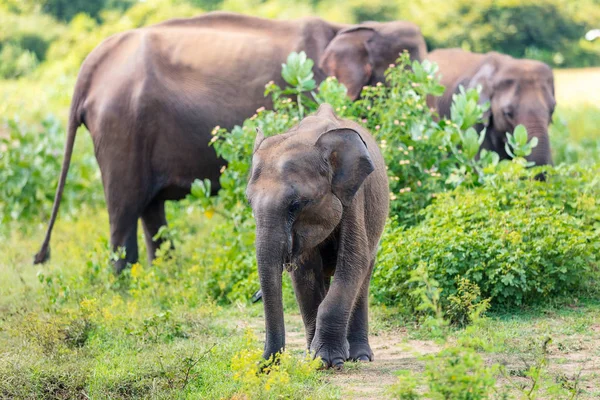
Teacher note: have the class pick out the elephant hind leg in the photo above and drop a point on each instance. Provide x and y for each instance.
(124, 211)
(309, 287)
(123, 236)
(153, 218)
(358, 329)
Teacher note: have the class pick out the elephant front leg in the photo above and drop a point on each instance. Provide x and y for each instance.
(331, 335)
(309, 287)
(358, 330)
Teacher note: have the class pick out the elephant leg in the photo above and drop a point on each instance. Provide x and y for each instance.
(358, 329)
(153, 218)
(309, 287)
(330, 341)
(123, 235)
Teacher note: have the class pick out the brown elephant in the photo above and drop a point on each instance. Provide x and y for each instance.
(520, 91)
(319, 195)
(151, 96)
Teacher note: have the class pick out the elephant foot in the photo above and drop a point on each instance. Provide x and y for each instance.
(120, 265)
(332, 355)
(361, 352)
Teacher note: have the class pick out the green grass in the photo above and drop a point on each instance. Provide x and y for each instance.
(69, 328)
(151, 334)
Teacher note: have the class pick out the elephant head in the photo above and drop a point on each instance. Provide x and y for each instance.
(300, 183)
(519, 92)
(359, 55)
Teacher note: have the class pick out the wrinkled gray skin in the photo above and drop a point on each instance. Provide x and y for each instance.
(520, 91)
(319, 194)
(150, 98)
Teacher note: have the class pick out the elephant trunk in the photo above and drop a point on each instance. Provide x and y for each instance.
(541, 154)
(271, 251)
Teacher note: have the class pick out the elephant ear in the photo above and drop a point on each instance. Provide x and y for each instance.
(484, 77)
(347, 58)
(260, 136)
(348, 159)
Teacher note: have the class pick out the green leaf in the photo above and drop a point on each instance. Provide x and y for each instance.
(520, 135)
(533, 142)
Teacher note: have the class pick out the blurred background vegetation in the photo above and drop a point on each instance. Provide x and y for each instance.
(35, 31)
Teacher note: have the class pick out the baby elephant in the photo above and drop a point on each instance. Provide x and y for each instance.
(319, 194)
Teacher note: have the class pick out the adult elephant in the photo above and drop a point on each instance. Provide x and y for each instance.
(151, 96)
(319, 194)
(520, 91)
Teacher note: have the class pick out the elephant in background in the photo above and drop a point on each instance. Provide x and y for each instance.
(150, 98)
(520, 91)
(319, 195)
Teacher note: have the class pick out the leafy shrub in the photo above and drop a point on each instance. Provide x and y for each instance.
(16, 62)
(458, 373)
(520, 240)
(283, 377)
(30, 162)
(24, 40)
(548, 30)
(465, 303)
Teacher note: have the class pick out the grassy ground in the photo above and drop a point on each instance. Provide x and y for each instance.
(69, 330)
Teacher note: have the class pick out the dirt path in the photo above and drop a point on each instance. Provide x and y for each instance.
(393, 351)
(569, 356)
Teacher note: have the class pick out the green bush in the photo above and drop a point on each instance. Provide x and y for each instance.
(520, 240)
(396, 114)
(548, 30)
(16, 62)
(30, 162)
(24, 41)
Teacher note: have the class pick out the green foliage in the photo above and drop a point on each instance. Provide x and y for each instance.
(284, 376)
(30, 162)
(16, 62)
(517, 144)
(573, 135)
(24, 41)
(297, 72)
(153, 332)
(466, 304)
(423, 157)
(548, 30)
(520, 240)
(426, 294)
(540, 382)
(458, 373)
(65, 10)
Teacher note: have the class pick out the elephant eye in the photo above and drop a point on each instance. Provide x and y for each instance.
(294, 207)
(508, 113)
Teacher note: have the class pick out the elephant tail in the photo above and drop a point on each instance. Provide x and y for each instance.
(74, 122)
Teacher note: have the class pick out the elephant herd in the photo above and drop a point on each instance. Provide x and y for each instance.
(150, 98)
